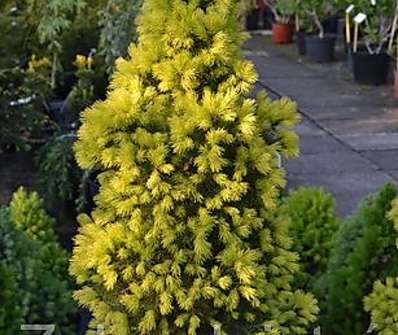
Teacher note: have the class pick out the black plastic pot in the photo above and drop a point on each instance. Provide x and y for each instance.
(320, 49)
(331, 24)
(267, 20)
(252, 19)
(350, 60)
(300, 42)
(371, 69)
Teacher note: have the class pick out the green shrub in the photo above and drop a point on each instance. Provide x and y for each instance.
(118, 29)
(22, 109)
(58, 174)
(28, 215)
(313, 226)
(382, 303)
(186, 233)
(364, 251)
(36, 266)
(10, 312)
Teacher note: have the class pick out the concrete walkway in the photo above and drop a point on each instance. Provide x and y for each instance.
(349, 133)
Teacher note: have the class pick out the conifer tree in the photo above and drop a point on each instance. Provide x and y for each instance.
(186, 234)
(382, 302)
(363, 252)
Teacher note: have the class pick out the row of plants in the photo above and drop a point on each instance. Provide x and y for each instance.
(370, 38)
(350, 266)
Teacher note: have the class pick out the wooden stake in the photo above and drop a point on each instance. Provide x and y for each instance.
(356, 36)
(393, 29)
(347, 28)
(297, 19)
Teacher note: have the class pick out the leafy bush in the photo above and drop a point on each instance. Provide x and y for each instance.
(316, 12)
(283, 10)
(186, 233)
(118, 30)
(34, 269)
(10, 312)
(58, 173)
(22, 105)
(313, 226)
(364, 251)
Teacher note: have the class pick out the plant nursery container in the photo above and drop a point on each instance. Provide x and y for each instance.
(267, 19)
(252, 19)
(300, 42)
(282, 33)
(320, 49)
(350, 60)
(331, 24)
(371, 69)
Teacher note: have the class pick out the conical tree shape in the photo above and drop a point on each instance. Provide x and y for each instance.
(186, 236)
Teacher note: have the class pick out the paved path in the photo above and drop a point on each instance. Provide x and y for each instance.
(349, 133)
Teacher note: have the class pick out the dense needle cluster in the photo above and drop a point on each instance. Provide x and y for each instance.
(186, 234)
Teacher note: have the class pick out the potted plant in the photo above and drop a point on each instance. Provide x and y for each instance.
(249, 12)
(319, 45)
(303, 27)
(282, 28)
(371, 63)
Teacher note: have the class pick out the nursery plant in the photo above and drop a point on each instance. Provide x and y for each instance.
(378, 25)
(118, 29)
(313, 227)
(317, 11)
(282, 28)
(186, 234)
(382, 302)
(370, 60)
(283, 10)
(319, 46)
(23, 114)
(364, 251)
(53, 17)
(33, 269)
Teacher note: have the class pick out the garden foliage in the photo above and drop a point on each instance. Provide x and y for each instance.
(312, 228)
(186, 233)
(23, 115)
(58, 173)
(34, 269)
(364, 251)
(382, 303)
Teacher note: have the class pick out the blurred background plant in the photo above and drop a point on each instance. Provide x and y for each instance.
(118, 29)
(363, 251)
(23, 112)
(34, 269)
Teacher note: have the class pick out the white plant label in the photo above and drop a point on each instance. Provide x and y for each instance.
(360, 18)
(349, 9)
(373, 2)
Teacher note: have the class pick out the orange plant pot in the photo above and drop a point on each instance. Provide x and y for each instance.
(282, 33)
